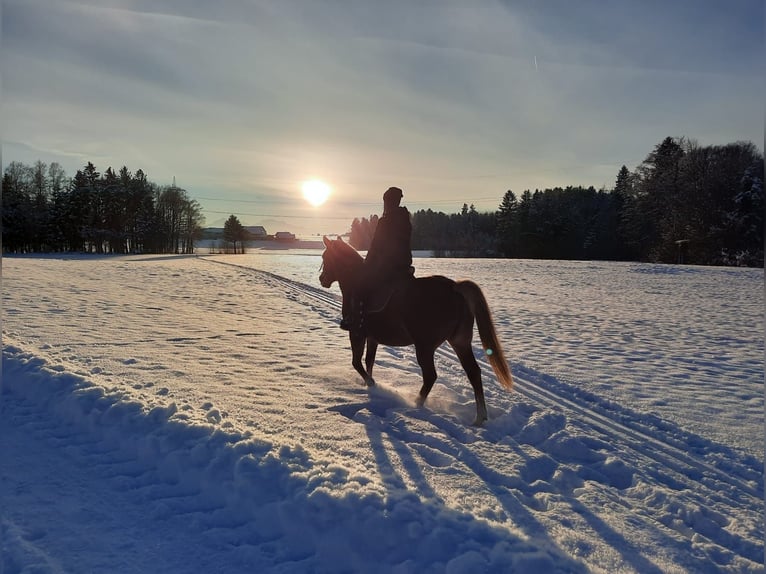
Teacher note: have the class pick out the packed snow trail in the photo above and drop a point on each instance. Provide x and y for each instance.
(210, 411)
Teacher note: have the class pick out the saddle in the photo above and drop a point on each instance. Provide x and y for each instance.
(377, 299)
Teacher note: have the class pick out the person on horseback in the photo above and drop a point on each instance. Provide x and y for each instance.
(388, 260)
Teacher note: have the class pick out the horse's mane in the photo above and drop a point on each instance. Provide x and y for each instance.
(347, 252)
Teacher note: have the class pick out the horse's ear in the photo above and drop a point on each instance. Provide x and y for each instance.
(327, 241)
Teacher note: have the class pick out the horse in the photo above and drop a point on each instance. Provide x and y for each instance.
(424, 312)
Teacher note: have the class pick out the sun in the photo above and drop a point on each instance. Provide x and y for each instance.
(315, 191)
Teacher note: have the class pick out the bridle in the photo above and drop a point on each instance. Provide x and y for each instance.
(324, 270)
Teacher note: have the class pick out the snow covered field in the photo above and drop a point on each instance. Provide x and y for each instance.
(200, 414)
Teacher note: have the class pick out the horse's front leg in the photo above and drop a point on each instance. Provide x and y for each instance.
(425, 356)
(357, 349)
(369, 358)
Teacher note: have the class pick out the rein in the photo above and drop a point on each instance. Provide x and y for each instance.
(344, 262)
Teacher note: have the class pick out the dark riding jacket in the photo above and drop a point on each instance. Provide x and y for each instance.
(390, 253)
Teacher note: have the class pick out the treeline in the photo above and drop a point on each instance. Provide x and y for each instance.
(684, 203)
(465, 234)
(121, 212)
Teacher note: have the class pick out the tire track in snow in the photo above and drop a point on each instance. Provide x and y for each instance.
(646, 444)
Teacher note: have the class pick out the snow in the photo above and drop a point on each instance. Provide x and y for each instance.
(200, 414)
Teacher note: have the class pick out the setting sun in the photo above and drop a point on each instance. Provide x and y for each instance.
(315, 192)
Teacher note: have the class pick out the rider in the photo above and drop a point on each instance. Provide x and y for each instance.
(389, 257)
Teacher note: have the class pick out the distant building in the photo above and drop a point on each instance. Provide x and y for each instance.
(284, 236)
(256, 231)
(212, 233)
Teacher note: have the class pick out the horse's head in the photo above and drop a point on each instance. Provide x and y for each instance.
(339, 261)
(328, 275)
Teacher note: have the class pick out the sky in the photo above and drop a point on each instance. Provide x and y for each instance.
(455, 102)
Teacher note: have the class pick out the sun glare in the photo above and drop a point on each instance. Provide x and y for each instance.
(315, 192)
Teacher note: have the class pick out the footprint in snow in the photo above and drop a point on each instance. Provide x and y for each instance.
(541, 426)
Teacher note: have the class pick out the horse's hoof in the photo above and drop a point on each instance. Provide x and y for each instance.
(479, 422)
(419, 402)
(369, 382)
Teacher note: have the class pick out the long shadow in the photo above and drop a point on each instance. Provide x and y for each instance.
(628, 551)
(385, 434)
(391, 478)
(164, 257)
(82, 256)
(380, 431)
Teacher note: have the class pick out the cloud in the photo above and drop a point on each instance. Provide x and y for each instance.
(246, 99)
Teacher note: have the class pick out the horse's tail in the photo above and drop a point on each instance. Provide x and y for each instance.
(473, 294)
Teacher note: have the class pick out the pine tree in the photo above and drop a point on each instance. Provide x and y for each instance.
(621, 198)
(40, 216)
(623, 187)
(17, 209)
(361, 233)
(142, 231)
(506, 230)
(234, 232)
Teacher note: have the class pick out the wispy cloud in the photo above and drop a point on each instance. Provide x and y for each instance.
(446, 99)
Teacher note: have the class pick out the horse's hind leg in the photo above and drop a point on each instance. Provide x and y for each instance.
(464, 352)
(426, 361)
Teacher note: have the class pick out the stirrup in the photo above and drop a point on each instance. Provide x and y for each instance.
(360, 318)
(354, 322)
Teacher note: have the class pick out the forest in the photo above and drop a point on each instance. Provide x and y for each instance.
(685, 203)
(121, 212)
